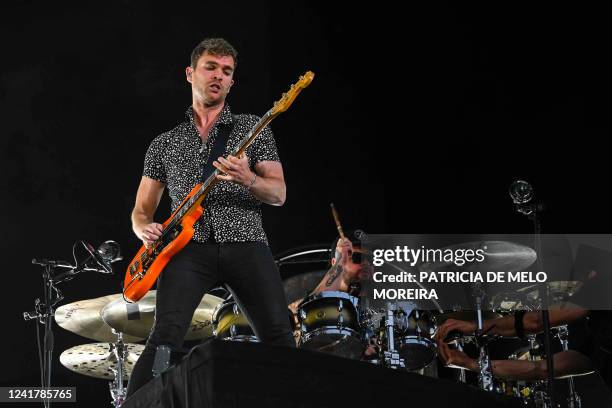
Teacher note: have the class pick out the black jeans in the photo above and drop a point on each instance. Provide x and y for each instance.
(249, 271)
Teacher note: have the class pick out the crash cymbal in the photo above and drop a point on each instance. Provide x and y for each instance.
(573, 375)
(465, 315)
(98, 360)
(137, 318)
(83, 318)
(498, 256)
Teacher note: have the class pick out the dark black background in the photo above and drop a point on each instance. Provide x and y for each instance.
(417, 121)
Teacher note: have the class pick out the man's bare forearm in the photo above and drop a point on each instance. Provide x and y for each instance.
(140, 219)
(269, 190)
(532, 321)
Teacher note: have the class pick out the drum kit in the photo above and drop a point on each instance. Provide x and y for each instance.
(400, 334)
(397, 336)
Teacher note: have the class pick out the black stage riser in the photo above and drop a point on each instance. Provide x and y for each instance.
(230, 374)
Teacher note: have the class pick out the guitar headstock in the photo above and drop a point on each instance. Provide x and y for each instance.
(285, 102)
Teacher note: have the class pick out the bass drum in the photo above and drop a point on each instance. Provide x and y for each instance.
(329, 322)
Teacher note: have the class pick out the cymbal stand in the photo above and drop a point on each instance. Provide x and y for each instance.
(538, 396)
(522, 194)
(485, 376)
(462, 377)
(391, 356)
(573, 400)
(117, 389)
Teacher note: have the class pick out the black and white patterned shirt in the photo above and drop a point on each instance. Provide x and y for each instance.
(231, 211)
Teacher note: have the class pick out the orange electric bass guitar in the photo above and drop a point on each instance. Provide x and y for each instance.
(178, 230)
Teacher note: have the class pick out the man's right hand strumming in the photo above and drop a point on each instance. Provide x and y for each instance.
(149, 233)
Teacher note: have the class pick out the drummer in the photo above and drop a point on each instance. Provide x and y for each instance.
(349, 266)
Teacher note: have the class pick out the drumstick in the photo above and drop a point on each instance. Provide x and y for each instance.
(337, 220)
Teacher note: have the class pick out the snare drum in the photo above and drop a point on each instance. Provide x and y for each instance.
(329, 322)
(229, 323)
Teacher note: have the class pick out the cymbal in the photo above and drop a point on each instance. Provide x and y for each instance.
(498, 256)
(508, 301)
(297, 287)
(465, 315)
(573, 375)
(137, 318)
(98, 360)
(557, 289)
(83, 318)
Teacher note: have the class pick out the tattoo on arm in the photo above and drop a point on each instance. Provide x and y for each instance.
(333, 274)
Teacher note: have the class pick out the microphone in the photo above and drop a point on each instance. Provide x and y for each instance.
(99, 260)
(104, 256)
(521, 192)
(522, 195)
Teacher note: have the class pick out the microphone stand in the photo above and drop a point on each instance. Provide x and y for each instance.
(44, 313)
(485, 375)
(522, 194)
(545, 306)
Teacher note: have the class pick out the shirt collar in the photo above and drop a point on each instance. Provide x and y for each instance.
(225, 117)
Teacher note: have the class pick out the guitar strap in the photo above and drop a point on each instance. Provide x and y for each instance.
(218, 148)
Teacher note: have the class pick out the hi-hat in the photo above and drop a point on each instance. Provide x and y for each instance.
(99, 360)
(84, 318)
(137, 318)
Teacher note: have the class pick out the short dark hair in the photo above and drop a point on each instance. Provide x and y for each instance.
(214, 46)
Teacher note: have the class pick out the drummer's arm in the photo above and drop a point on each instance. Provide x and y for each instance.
(562, 313)
(564, 363)
(331, 281)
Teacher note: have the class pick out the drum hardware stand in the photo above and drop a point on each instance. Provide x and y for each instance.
(485, 376)
(522, 195)
(117, 389)
(539, 397)
(573, 400)
(391, 356)
(462, 370)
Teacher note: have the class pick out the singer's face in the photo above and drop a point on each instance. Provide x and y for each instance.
(212, 78)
